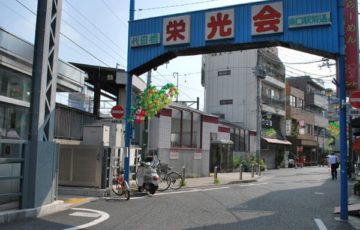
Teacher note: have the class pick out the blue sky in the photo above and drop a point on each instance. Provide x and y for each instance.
(95, 32)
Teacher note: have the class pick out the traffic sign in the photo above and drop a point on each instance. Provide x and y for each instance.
(117, 111)
(355, 99)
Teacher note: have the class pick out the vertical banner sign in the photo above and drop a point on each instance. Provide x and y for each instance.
(351, 46)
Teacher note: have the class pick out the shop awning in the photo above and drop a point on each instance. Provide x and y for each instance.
(277, 141)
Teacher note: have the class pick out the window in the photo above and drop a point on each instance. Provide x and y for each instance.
(14, 122)
(226, 102)
(308, 129)
(14, 84)
(300, 103)
(292, 101)
(247, 141)
(242, 140)
(175, 128)
(185, 129)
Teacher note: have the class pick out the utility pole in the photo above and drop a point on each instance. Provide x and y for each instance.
(128, 129)
(145, 144)
(259, 74)
(177, 84)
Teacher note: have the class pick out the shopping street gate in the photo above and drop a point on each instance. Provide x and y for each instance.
(315, 27)
(306, 25)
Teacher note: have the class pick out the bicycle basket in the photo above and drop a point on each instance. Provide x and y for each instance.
(164, 168)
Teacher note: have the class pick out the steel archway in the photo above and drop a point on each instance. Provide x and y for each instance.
(315, 27)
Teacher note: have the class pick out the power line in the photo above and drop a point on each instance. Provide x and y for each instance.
(306, 73)
(109, 8)
(94, 35)
(83, 49)
(31, 11)
(178, 5)
(97, 28)
(94, 43)
(65, 36)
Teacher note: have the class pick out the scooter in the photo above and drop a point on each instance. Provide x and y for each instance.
(147, 178)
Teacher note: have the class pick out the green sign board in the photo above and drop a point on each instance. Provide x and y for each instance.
(145, 40)
(318, 19)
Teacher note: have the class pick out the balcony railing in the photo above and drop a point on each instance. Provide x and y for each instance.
(279, 103)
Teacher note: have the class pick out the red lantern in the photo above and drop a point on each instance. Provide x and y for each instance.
(140, 116)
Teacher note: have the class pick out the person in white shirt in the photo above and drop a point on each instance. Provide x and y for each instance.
(334, 164)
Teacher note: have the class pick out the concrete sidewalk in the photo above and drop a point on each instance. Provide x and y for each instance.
(223, 178)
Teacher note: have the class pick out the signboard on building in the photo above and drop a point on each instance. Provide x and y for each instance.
(145, 40)
(219, 24)
(174, 155)
(176, 30)
(267, 18)
(288, 128)
(354, 99)
(197, 155)
(305, 20)
(351, 46)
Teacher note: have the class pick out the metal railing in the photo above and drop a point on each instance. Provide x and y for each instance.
(279, 103)
(12, 154)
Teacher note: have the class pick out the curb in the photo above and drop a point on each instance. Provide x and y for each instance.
(14, 215)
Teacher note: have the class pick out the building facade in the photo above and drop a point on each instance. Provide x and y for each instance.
(231, 91)
(307, 122)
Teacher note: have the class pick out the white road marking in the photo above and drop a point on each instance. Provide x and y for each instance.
(320, 224)
(180, 192)
(251, 184)
(319, 193)
(103, 216)
(86, 214)
(197, 190)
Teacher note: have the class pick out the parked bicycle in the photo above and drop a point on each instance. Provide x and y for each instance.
(168, 179)
(120, 186)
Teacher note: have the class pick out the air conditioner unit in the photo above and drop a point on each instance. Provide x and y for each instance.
(96, 135)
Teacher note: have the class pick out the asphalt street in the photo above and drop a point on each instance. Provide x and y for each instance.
(301, 198)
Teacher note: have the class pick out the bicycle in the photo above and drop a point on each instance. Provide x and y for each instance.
(120, 186)
(167, 179)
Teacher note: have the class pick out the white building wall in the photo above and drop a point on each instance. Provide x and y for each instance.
(240, 86)
(160, 132)
(207, 129)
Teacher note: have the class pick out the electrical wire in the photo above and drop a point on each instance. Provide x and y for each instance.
(94, 43)
(94, 35)
(91, 23)
(83, 49)
(116, 16)
(178, 5)
(65, 36)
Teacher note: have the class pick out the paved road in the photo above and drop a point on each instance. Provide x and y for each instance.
(282, 199)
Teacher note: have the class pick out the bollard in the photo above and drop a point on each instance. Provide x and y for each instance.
(215, 174)
(256, 169)
(241, 171)
(183, 175)
(259, 170)
(252, 170)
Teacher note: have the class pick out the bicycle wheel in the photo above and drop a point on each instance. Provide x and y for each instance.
(164, 182)
(175, 180)
(116, 188)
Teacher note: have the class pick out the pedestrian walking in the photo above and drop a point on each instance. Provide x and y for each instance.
(334, 164)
